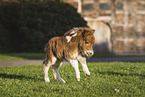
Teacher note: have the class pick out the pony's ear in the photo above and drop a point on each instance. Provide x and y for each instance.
(93, 31)
(84, 33)
(88, 32)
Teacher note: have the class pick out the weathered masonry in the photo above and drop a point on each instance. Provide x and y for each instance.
(125, 17)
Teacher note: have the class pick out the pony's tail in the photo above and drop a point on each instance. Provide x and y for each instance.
(45, 50)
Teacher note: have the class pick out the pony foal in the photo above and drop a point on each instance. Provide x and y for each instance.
(74, 46)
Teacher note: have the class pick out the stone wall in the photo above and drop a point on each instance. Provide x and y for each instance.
(127, 20)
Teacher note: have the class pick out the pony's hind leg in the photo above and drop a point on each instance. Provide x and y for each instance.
(46, 65)
(45, 69)
(55, 69)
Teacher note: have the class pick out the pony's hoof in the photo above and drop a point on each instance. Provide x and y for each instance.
(47, 80)
(61, 80)
(88, 74)
(78, 79)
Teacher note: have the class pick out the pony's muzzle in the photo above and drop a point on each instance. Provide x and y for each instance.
(89, 53)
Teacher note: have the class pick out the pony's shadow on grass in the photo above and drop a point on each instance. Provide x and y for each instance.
(121, 74)
(20, 77)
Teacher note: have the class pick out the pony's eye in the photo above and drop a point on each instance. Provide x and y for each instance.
(86, 42)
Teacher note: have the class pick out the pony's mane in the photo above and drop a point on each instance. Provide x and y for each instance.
(74, 31)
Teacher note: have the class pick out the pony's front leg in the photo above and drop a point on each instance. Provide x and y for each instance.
(74, 63)
(82, 60)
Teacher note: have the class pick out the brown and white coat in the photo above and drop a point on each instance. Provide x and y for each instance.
(74, 46)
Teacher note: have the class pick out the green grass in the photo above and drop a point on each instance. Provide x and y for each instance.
(117, 79)
(22, 56)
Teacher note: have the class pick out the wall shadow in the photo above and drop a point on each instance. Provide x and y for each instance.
(102, 47)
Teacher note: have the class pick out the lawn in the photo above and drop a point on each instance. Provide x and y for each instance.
(117, 79)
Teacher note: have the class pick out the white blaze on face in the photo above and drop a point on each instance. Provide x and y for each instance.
(69, 37)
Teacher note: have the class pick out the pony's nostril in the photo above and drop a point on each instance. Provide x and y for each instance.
(91, 53)
(88, 53)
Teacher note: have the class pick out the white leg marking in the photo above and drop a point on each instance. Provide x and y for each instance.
(58, 78)
(82, 60)
(74, 63)
(56, 73)
(46, 78)
(85, 69)
(54, 59)
(46, 68)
